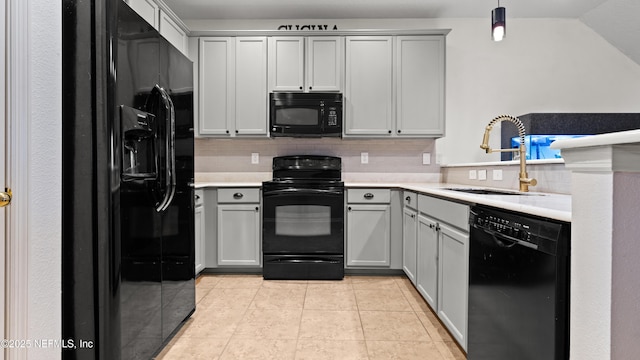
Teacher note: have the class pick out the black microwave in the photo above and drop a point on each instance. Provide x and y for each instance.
(305, 114)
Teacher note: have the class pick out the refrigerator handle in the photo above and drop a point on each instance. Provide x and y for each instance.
(170, 149)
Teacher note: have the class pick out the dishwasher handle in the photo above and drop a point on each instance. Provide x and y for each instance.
(504, 241)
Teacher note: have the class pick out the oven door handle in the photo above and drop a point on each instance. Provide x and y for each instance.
(288, 192)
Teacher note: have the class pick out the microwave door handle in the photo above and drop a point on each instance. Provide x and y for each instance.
(169, 151)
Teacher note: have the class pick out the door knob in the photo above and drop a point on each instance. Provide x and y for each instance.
(5, 198)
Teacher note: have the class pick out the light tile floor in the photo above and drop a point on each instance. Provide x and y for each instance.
(361, 317)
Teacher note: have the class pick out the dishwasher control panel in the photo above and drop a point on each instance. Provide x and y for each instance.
(515, 226)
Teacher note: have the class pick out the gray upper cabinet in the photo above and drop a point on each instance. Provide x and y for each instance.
(298, 63)
(233, 86)
(368, 85)
(420, 85)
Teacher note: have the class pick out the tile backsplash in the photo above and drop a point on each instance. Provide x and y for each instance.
(384, 155)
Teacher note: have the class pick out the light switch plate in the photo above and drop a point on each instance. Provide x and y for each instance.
(497, 174)
(473, 174)
(364, 158)
(255, 158)
(482, 174)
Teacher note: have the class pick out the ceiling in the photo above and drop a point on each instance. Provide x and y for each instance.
(615, 20)
(348, 9)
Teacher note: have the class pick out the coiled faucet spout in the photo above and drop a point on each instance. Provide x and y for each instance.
(524, 179)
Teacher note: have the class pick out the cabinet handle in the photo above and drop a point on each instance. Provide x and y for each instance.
(349, 208)
(408, 198)
(310, 87)
(257, 208)
(437, 227)
(197, 197)
(413, 216)
(399, 131)
(238, 196)
(431, 226)
(300, 87)
(227, 131)
(389, 131)
(236, 131)
(368, 196)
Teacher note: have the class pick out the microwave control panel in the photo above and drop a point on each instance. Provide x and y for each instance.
(332, 119)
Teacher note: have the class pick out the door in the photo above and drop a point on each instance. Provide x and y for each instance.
(369, 235)
(409, 237)
(286, 63)
(368, 85)
(239, 234)
(427, 268)
(2, 169)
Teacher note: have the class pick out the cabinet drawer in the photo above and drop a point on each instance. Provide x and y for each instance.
(369, 196)
(410, 199)
(447, 211)
(198, 197)
(239, 195)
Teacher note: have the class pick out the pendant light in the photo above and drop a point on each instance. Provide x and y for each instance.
(498, 23)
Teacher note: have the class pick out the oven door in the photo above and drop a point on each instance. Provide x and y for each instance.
(300, 221)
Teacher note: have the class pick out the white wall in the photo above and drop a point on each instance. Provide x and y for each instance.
(45, 176)
(543, 65)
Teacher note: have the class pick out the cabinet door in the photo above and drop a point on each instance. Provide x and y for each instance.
(420, 85)
(239, 235)
(199, 238)
(251, 86)
(427, 268)
(324, 63)
(409, 238)
(171, 31)
(217, 87)
(368, 85)
(286, 63)
(368, 235)
(454, 281)
(147, 9)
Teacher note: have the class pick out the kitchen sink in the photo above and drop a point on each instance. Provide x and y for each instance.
(484, 191)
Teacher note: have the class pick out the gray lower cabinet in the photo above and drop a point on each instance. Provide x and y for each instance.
(199, 231)
(238, 227)
(410, 235)
(427, 268)
(368, 238)
(453, 281)
(443, 261)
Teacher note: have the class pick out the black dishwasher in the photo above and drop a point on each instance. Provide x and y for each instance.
(518, 286)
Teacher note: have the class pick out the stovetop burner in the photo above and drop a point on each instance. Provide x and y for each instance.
(307, 168)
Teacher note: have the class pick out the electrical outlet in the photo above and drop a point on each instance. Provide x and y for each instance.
(473, 174)
(426, 159)
(497, 174)
(255, 158)
(482, 174)
(364, 158)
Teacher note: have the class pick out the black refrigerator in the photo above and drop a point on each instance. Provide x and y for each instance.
(128, 201)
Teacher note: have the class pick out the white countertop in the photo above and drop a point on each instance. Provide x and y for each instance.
(554, 206)
(622, 137)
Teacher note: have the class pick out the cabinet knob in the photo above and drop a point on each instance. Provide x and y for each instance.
(413, 216)
(349, 208)
(257, 208)
(431, 226)
(197, 197)
(310, 87)
(408, 198)
(227, 131)
(236, 131)
(368, 196)
(238, 196)
(300, 87)
(389, 131)
(399, 131)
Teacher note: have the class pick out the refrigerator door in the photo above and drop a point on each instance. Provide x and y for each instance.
(140, 234)
(178, 256)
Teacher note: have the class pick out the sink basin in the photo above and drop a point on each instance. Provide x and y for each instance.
(481, 191)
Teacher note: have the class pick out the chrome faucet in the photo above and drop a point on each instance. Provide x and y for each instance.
(525, 181)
